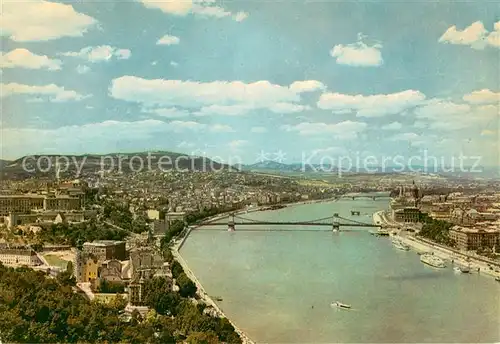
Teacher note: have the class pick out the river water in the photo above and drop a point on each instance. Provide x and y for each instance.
(277, 286)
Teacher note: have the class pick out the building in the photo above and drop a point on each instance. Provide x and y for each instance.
(86, 267)
(106, 249)
(111, 271)
(469, 239)
(173, 216)
(62, 203)
(145, 262)
(19, 255)
(26, 203)
(407, 215)
(16, 219)
(20, 203)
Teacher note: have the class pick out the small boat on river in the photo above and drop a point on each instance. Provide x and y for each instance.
(340, 305)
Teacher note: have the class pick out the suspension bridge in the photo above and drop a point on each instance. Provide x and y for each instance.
(335, 222)
(373, 197)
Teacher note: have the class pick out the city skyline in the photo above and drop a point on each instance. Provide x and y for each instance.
(238, 78)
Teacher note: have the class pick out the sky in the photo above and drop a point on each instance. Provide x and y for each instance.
(253, 79)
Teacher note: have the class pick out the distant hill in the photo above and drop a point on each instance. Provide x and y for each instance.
(274, 166)
(4, 163)
(70, 165)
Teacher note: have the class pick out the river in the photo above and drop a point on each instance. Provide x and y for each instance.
(277, 286)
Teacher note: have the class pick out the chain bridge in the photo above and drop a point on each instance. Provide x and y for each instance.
(335, 222)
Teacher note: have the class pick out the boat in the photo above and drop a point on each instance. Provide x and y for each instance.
(461, 269)
(400, 245)
(432, 260)
(340, 305)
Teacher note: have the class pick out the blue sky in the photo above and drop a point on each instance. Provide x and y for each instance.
(242, 77)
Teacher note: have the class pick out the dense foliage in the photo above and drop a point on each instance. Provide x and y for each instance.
(110, 287)
(121, 216)
(37, 309)
(436, 230)
(77, 234)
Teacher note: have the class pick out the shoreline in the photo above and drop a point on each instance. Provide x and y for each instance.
(451, 255)
(201, 291)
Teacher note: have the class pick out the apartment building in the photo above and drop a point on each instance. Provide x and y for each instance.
(468, 239)
(20, 203)
(18, 255)
(32, 202)
(106, 249)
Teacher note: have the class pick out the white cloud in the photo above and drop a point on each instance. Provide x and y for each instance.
(476, 36)
(288, 108)
(307, 86)
(217, 97)
(237, 144)
(185, 144)
(173, 64)
(435, 109)
(198, 7)
(392, 126)
(176, 7)
(52, 92)
(82, 69)
(258, 130)
(484, 96)
(330, 151)
(228, 110)
(220, 128)
(99, 53)
(168, 40)
(443, 115)
(343, 131)
(358, 54)
(168, 112)
(488, 132)
(412, 138)
(371, 106)
(23, 58)
(25, 21)
(91, 137)
(181, 126)
(240, 16)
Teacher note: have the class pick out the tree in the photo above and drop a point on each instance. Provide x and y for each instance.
(202, 338)
(186, 287)
(176, 269)
(66, 278)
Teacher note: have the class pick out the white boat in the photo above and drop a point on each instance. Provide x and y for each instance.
(340, 305)
(432, 260)
(462, 269)
(400, 245)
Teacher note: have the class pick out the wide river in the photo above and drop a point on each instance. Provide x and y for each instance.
(277, 286)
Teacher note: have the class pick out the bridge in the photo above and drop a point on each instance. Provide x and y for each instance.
(373, 197)
(334, 222)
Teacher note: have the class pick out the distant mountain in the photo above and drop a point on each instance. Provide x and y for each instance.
(73, 165)
(274, 166)
(4, 163)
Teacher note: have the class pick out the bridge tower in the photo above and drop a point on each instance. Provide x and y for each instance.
(230, 223)
(335, 223)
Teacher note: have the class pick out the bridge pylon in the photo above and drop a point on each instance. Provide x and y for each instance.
(230, 223)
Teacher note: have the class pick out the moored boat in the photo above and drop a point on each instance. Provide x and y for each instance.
(340, 305)
(400, 245)
(432, 260)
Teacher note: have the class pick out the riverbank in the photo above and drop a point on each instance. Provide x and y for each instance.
(421, 245)
(201, 291)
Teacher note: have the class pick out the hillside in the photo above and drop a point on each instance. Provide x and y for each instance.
(37, 165)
